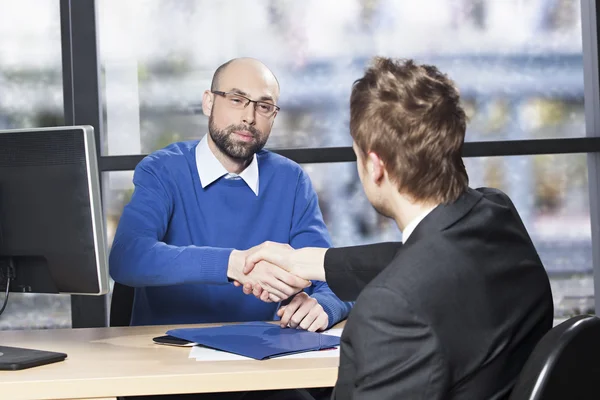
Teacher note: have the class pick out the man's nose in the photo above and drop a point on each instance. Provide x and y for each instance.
(249, 115)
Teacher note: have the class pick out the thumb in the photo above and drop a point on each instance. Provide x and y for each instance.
(281, 311)
(306, 283)
(251, 261)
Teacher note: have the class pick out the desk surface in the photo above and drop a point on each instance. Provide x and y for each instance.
(110, 362)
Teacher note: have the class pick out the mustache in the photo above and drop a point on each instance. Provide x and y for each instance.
(233, 128)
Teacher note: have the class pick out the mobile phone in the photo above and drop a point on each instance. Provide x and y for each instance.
(172, 341)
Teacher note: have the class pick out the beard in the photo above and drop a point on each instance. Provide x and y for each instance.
(225, 140)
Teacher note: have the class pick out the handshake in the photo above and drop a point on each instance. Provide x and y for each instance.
(274, 272)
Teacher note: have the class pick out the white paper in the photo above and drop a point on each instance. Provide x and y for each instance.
(201, 353)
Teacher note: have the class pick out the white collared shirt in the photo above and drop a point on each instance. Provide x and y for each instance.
(210, 168)
(410, 227)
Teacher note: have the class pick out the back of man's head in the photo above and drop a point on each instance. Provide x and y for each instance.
(410, 116)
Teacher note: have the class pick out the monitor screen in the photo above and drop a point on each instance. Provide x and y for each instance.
(51, 224)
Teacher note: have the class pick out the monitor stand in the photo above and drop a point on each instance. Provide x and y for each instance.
(7, 274)
(17, 358)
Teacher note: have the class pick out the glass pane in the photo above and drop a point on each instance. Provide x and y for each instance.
(118, 188)
(550, 192)
(31, 96)
(518, 63)
(30, 64)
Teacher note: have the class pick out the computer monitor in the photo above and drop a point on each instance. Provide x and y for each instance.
(51, 225)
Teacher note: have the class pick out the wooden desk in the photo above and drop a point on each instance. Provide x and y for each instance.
(108, 362)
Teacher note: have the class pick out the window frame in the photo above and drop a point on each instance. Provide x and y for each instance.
(82, 106)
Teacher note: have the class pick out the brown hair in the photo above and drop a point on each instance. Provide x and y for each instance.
(410, 116)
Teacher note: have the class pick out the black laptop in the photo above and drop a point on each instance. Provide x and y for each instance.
(15, 358)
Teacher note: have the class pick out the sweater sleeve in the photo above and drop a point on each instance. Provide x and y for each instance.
(138, 255)
(309, 230)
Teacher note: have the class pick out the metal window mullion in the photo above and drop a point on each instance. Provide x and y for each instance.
(82, 106)
(589, 26)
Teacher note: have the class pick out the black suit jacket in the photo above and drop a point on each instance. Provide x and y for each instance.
(452, 314)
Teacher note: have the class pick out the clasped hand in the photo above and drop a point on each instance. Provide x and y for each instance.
(262, 276)
(267, 272)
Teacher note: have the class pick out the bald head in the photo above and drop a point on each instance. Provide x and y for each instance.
(241, 107)
(245, 69)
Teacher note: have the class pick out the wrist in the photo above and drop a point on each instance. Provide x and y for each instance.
(308, 263)
(237, 258)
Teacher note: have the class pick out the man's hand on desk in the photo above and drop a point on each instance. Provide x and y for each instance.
(303, 312)
(277, 282)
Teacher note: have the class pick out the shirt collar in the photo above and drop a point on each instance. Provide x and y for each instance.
(410, 227)
(210, 168)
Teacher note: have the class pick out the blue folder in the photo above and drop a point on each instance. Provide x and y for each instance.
(258, 340)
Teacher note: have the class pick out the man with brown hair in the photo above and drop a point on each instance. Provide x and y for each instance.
(455, 310)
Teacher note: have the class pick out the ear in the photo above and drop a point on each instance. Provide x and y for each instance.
(375, 167)
(207, 102)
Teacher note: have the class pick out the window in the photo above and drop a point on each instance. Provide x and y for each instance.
(549, 191)
(518, 64)
(31, 95)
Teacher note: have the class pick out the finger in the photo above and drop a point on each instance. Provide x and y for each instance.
(265, 252)
(266, 296)
(282, 290)
(280, 311)
(236, 283)
(276, 289)
(291, 280)
(257, 256)
(274, 298)
(247, 288)
(267, 275)
(257, 290)
(307, 321)
(315, 312)
(290, 309)
(290, 284)
(248, 266)
(320, 323)
(272, 284)
(304, 313)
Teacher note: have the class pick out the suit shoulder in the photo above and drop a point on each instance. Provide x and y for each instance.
(495, 195)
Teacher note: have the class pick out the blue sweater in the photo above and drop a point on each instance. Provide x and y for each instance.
(174, 238)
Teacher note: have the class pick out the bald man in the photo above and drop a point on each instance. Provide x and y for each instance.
(196, 202)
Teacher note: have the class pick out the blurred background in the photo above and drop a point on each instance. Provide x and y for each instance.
(518, 64)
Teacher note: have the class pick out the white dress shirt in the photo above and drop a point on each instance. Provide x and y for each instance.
(210, 168)
(410, 227)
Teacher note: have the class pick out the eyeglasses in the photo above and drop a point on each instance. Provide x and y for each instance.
(240, 102)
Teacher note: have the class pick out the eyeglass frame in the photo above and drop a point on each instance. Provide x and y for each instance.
(223, 94)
